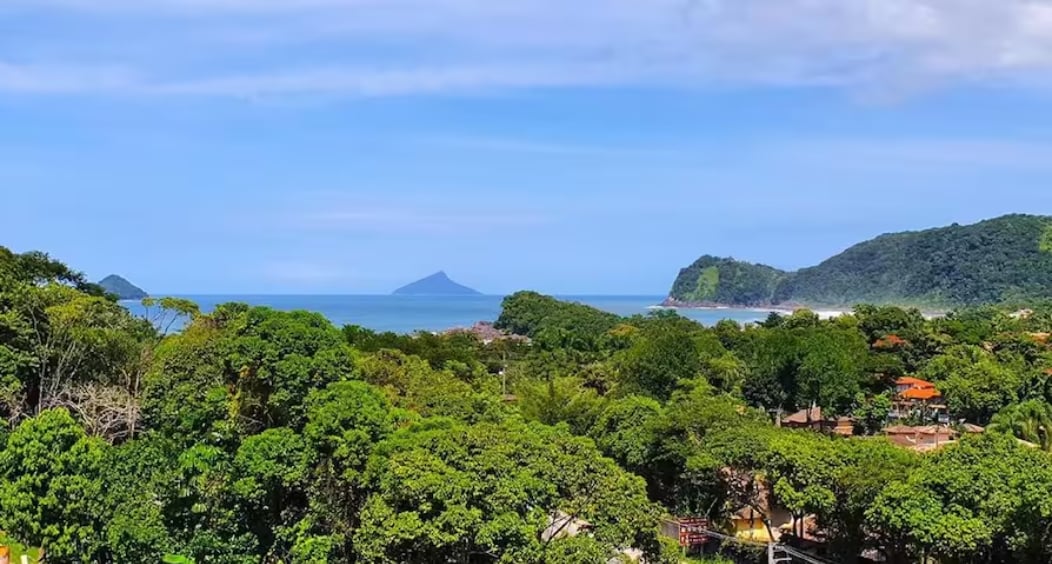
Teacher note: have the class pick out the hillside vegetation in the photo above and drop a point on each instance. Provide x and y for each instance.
(727, 281)
(252, 435)
(1007, 259)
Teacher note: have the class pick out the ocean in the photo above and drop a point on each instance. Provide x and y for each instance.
(406, 314)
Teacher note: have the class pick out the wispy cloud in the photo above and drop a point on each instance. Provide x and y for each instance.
(540, 146)
(177, 47)
(405, 220)
(66, 79)
(372, 82)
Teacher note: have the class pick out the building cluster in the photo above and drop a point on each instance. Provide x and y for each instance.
(915, 400)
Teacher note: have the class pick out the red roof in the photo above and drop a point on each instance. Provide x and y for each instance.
(914, 383)
(889, 342)
(921, 394)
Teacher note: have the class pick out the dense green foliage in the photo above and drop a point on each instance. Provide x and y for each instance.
(259, 436)
(712, 280)
(555, 324)
(1008, 259)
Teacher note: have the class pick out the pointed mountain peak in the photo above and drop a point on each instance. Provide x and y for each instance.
(121, 288)
(438, 284)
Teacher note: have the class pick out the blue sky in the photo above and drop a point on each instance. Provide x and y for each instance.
(594, 146)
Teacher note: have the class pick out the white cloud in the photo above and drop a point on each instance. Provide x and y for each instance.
(400, 47)
(373, 82)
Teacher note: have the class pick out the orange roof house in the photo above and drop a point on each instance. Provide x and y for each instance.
(911, 382)
(920, 394)
(917, 398)
(909, 388)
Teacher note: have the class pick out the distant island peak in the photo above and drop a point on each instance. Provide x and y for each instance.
(437, 284)
(121, 288)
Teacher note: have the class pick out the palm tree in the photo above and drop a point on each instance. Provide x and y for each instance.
(1029, 421)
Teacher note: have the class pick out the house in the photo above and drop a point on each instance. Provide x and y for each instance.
(919, 399)
(487, 333)
(812, 419)
(908, 383)
(748, 523)
(921, 439)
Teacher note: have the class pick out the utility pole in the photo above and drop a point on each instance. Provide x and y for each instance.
(504, 371)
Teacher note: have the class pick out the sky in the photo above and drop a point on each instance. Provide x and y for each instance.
(572, 147)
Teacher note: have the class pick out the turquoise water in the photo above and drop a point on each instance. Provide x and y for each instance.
(404, 314)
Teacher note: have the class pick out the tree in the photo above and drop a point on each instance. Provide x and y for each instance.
(345, 422)
(243, 370)
(974, 384)
(50, 486)
(55, 339)
(983, 498)
(628, 430)
(560, 400)
(507, 492)
(1029, 421)
(659, 361)
(860, 470)
(871, 413)
(830, 369)
(165, 313)
(412, 383)
(272, 475)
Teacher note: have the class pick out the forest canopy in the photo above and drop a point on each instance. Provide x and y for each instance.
(265, 436)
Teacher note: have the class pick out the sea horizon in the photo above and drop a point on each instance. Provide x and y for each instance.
(408, 314)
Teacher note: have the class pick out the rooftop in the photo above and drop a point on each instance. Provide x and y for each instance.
(920, 394)
(914, 382)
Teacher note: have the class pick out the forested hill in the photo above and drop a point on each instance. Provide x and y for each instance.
(712, 280)
(1004, 259)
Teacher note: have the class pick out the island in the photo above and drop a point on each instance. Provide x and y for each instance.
(124, 290)
(438, 284)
